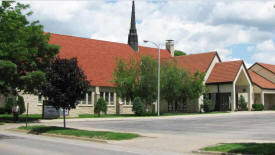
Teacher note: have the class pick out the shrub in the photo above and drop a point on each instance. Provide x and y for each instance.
(21, 104)
(138, 107)
(208, 105)
(9, 105)
(273, 107)
(242, 103)
(2, 110)
(100, 106)
(258, 107)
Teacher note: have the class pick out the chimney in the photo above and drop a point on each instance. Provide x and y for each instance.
(170, 47)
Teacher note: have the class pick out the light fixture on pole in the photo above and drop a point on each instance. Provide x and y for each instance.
(158, 46)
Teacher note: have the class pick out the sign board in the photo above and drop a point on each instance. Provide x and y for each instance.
(51, 112)
(66, 112)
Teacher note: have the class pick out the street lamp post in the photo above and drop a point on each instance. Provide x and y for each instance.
(158, 46)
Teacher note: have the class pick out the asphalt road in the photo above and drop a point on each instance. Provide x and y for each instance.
(15, 144)
(256, 126)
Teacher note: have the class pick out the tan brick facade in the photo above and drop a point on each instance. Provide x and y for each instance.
(85, 106)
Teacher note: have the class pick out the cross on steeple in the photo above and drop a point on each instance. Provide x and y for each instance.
(133, 37)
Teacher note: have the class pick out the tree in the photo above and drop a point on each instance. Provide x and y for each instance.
(9, 105)
(21, 104)
(147, 84)
(242, 103)
(208, 105)
(172, 82)
(194, 86)
(138, 107)
(24, 50)
(125, 79)
(65, 84)
(179, 53)
(137, 78)
(100, 106)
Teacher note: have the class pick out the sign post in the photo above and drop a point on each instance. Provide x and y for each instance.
(27, 111)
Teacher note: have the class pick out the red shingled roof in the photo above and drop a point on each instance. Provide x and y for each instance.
(268, 66)
(261, 81)
(224, 72)
(98, 58)
(195, 62)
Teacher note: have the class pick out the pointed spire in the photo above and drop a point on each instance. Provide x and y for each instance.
(133, 37)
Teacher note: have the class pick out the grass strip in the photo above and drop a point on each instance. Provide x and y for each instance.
(8, 118)
(245, 148)
(105, 135)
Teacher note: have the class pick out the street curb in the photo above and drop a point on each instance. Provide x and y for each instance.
(217, 153)
(61, 136)
(148, 118)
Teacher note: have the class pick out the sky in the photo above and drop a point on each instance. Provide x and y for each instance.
(236, 29)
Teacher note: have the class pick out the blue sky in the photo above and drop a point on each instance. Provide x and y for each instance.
(237, 29)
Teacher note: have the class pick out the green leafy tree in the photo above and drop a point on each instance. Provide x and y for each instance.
(172, 82)
(137, 78)
(24, 50)
(138, 107)
(100, 106)
(21, 104)
(65, 84)
(9, 105)
(179, 53)
(147, 81)
(242, 103)
(208, 105)
(194, 86)
(125, 79)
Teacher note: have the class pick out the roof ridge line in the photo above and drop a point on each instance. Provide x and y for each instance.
(99, 40)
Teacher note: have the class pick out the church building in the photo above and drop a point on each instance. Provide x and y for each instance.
(226, 81)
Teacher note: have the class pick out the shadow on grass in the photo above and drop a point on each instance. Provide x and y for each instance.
(255, 148)
(43, 129)
(106, 135)
(245, 148)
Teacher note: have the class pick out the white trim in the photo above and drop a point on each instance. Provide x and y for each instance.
(262, 97)
(239, 72)
(268, 91)
(211, 67)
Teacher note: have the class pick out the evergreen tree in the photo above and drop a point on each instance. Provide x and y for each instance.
(21, 104)
(100, 106)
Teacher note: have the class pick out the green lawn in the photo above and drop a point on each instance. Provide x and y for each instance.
(245, 148)
(8, 118)
(147, 115)
(1, 123)
(79, 133)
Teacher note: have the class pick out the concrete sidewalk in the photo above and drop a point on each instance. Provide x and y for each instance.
(161, 117)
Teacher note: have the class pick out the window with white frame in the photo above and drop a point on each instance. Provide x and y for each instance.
(125, 101)
(87, 98)
(83, 101)
(111, 98)
(40, 99)
(108, 97)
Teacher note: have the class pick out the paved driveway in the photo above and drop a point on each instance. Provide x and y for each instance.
(258, 126)
(184, 134)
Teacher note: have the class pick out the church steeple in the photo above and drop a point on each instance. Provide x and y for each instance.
(133, 37)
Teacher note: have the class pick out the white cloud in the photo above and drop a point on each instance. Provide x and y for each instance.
(265, 52)
(196, 26)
